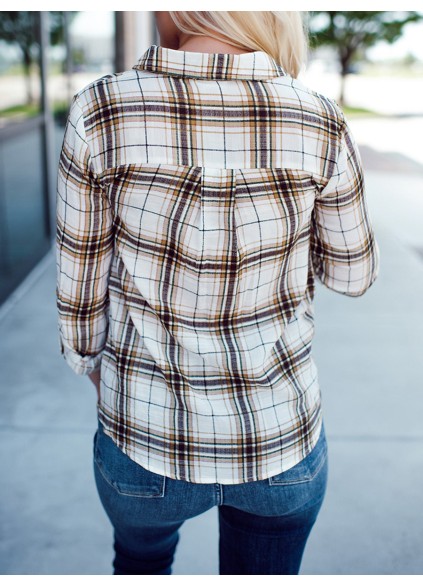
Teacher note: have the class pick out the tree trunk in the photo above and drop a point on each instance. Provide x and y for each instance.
(345, 56)
(342, 90)
(27, 69)
(345, 63)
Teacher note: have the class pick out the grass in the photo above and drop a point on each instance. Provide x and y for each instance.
(28, 110)
(393, 70)
(20, 110)
(351, 111)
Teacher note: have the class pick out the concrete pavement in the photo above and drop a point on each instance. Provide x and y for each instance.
(369, 354)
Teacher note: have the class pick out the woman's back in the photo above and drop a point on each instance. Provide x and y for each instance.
(202, 193)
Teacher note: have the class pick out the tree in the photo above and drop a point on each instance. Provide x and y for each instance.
(352, 33)
(22, 28)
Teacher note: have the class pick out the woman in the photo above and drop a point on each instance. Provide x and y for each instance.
(199, 194)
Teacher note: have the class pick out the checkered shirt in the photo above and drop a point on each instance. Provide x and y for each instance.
(199, 195)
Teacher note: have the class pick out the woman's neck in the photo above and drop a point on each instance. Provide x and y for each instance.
(204, 44)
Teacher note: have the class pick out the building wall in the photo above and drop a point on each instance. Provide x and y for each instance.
(74, 49)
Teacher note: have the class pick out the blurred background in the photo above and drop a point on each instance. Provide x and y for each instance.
(368, 350)
(46, 57)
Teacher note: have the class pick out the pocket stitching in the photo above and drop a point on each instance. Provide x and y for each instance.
(308, 478)
(99, 463)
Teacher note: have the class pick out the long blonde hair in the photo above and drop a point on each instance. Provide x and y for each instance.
(283, 35)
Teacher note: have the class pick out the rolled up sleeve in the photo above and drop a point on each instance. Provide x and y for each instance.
(84, 250)
(345, 253)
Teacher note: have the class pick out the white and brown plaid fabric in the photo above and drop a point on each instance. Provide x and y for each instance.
(198, 196)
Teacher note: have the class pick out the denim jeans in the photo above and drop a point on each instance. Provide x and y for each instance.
(263, 525)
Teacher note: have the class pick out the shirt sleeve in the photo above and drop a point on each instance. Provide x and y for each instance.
(344, 250)
(84, 250)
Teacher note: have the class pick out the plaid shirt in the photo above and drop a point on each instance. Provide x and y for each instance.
(198, 196)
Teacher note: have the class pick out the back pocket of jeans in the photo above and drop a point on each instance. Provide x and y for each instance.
(123, 474)
(307, 469)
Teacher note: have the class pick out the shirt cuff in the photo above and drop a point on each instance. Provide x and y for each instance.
(81, 364)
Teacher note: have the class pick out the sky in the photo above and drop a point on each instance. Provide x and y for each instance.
(411, 41)
(83, 24)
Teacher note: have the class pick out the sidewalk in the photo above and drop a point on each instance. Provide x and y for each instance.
(368, 351)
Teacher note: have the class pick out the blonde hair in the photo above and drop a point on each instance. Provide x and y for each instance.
(283, 35)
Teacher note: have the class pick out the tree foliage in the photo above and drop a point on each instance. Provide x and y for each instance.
(352, 33)
(22, 29)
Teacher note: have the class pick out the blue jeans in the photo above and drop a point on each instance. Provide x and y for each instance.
(263, 525)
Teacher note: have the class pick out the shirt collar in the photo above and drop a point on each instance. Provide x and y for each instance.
(254, 65)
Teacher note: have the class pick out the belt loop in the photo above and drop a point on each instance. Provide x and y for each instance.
(219, 494)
